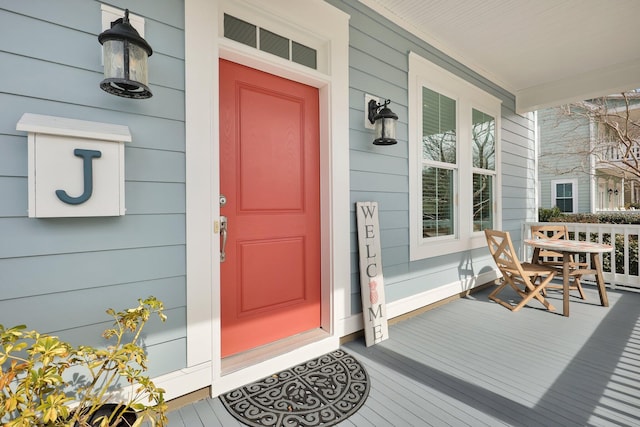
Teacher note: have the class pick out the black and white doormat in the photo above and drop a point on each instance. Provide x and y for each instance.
(319, 392)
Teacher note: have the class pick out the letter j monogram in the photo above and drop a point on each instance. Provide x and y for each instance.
(87, 168)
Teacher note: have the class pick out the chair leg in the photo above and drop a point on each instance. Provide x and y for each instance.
(534, 294)
(527, 294)
(496, 291)
(542, 295)
(578, 285)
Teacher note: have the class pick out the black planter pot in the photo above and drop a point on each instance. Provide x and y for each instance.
(128, 417)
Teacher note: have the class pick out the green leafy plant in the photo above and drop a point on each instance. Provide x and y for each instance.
(34, 390)
(628, 217)
(548, 215)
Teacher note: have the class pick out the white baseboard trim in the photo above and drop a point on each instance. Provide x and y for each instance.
(185, 381)
(397, 308)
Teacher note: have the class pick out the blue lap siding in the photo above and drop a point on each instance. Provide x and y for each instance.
(59, 275)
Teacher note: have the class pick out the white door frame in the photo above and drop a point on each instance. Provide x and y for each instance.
(203, 47)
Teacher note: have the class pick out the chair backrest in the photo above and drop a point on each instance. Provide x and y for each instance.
(553, 232)
(504, 255)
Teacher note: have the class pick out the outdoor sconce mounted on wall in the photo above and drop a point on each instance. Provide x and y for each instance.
(613, 191)
(125, 60)
(384, 121)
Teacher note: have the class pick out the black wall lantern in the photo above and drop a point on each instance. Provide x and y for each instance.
(384, 121)
(125, 60)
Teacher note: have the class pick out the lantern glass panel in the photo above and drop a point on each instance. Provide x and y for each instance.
(138, 64)
(113, 59)
(385, 128)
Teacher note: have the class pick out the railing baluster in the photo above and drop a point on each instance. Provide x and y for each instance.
(626, 253)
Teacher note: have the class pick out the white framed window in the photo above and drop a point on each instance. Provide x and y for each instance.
(454, 161)
(564, 195)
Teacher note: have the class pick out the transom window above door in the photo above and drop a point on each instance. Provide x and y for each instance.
(269, 41)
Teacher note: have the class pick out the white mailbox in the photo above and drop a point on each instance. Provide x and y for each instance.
(76, 167)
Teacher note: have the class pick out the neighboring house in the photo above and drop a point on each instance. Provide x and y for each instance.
(277, 147)
(564, 174)
(580, 166)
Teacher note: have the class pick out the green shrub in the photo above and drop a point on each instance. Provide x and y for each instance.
(620, 256)
(549, 215)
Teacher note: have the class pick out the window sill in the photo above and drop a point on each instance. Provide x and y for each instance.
(439, 247)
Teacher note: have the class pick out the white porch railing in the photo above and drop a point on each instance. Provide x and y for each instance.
(610, 151)
(620, 267)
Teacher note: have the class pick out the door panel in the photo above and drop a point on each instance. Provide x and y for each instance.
(269, 173)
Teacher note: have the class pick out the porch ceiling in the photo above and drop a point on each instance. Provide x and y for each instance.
(546, 52)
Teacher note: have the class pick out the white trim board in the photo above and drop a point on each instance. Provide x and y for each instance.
(51, 125)
(184, 381)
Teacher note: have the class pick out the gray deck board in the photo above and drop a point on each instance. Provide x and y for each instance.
(175, 419)
(225, 418)
(473, 363)
(473, 369)
(413, 398)
(190, 416)
(206, 416)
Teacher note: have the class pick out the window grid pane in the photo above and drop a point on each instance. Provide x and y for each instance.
(482, 202)
(484, 140)
(565, 205)
(437, 202)
(274, 44)
(564, 190)
(438, 127)
(239, 30)
(304, 55)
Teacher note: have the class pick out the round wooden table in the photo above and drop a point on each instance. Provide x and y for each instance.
(566, 248)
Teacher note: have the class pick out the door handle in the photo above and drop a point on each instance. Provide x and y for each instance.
(223, 233)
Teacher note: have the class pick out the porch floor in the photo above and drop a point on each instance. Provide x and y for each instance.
(474, 363)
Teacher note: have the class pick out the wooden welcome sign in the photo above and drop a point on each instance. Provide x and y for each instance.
(371, 280)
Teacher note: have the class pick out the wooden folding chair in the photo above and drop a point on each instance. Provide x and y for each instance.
(528, 280)
(554, 259)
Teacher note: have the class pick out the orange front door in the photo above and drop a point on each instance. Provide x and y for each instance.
(269, 174)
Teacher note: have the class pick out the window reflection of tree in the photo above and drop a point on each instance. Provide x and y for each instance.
(484, 149)
(437, 206)
(440, 147)
(437, 184)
